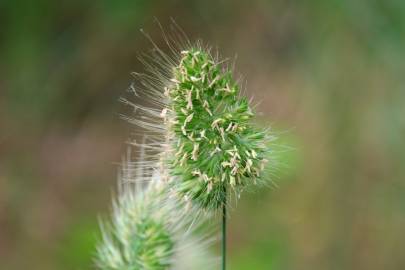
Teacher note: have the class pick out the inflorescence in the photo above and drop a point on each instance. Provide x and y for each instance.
(150, 230)
(214, 142)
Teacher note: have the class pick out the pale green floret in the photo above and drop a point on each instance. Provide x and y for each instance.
(215, 144)
(139, 237)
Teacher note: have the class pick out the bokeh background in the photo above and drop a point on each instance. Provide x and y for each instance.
(329, 76)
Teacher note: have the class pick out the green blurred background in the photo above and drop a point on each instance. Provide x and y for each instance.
(329, 75)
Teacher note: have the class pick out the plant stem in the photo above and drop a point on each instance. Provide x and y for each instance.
(224, 233)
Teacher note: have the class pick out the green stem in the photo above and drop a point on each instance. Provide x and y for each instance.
(224, 233)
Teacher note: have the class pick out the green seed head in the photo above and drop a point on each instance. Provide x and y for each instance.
(206, 139)
(139, 237)
(150, 229)
(215, 145)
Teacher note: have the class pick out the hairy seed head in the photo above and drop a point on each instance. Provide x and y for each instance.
(204, 99)
(149, 229)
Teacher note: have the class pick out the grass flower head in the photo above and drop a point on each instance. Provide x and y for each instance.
(215, 144)
(150, 230)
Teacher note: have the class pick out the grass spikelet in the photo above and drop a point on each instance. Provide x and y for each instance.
(217, 145)
(149, 230)
(202, 122)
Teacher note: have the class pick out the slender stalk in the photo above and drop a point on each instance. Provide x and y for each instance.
(224, 233)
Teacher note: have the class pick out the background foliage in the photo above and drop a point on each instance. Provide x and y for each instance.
(329, 74)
